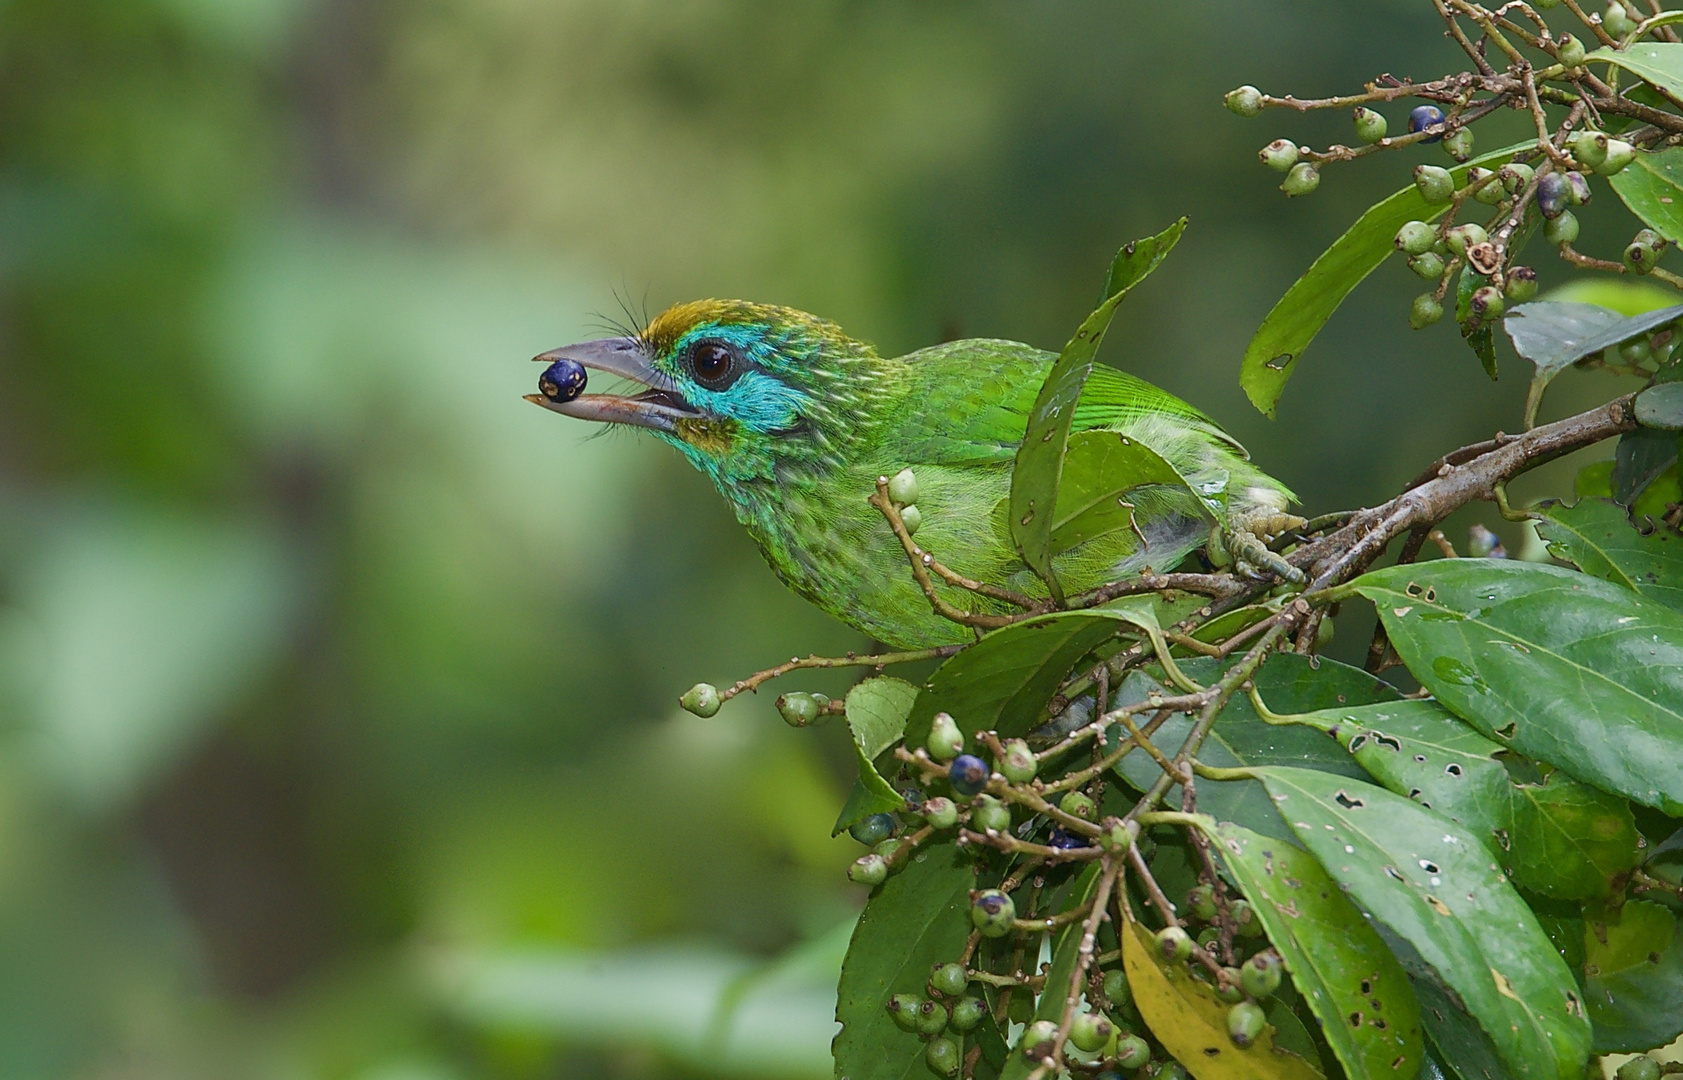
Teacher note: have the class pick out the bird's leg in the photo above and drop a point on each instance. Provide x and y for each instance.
(1245, 539)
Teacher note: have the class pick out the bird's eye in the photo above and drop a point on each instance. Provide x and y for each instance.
(713, 364)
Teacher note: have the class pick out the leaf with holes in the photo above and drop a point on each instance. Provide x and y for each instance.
(1299, 315)
(1038, 467)
(1241, 737)
(1562, 667)
(1597, 537)
(1435, 886)
(1191, 1023)
(1633, 976)
(1553, 835)
(914, 920)
(1339, 963)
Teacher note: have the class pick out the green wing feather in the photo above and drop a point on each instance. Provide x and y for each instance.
(969, 401)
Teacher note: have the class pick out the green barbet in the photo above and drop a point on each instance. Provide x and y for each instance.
(795, 422)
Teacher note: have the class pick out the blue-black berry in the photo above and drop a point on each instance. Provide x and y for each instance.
(1554, 195)
(873, 830)
(563, 380)
(968, 774)
(1064, 841)
(1422, 117)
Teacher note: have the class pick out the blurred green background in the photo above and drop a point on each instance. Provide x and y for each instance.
(338, 684)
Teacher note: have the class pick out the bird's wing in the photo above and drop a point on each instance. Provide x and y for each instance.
(969, 401)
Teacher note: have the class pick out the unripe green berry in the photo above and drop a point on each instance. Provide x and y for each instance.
(1462, 237)
(1174, 944)
(1370, 125)
(797, 709)
(702, 699)
(968, 1012)
(872, 830)
(1260, 975)
(1245, 101)
(942, 1056)
(988, 814)
(1118, 835)
(1515, 175)
(1090, 1031)
(1415, 238)
(1018, 764)
(945, 740)
(1429, 266)
(1640, 258)
(1589, 147)
(1116, 989)
(1562, 230)
(992, 912)
(1521, 284)
(1650, 238)
(1458, 144)
(1036, 1035)
(1209, 937)
(912, 518)
(1436, 184)
(1078, 804)
(1619, 154)
(869, 869)
(1200, 903)
(931, 1017)
(903, 1008)
(1171, 1070)
(1492, 192)
(1486, 303)
(1245, 1022)
(1570, 51)
(1302, 179)
(887, 848)
(951, 979)
(1616, 20)
(1245, 921)
(1132, 1052)
(941, 812)
(1640, 1067)
(1279, 155)
(1228, 989)
(902, 488)
(1636, 351)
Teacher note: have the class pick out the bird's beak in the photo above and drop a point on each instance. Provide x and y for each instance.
(658, 408)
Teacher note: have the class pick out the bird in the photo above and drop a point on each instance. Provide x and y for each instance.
(795, 423)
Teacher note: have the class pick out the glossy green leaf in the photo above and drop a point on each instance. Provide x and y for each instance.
(1037, 471)
(1597, 538)
(1100, 469)
(914, 920)
(1553, 835)
(1641, 458)
(876, 716)
(1661, 406)
(1299, 315)
(1652, 187)
(1633, 976)
(1241, 737)
(1560, 666)
(1434, 884)
(1004, 681)
(1554, 334)
(1186, 1018)
(1659, 62)
(1339, 963)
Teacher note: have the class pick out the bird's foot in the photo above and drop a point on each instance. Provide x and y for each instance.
(1245, 542)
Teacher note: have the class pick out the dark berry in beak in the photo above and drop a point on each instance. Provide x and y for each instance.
(562, 381)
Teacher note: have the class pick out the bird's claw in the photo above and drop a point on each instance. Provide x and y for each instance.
(1245, 541)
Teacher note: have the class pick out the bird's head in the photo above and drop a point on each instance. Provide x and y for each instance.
(746, 391)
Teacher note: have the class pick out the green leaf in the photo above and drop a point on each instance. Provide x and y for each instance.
(1659, 62)
(1436, 887)
(914, 920)
(1661, 406)
(1652, 187)
(1597, 538)
(1348, 978)
(871, 794)
(1633, 976)
(1554, 334)
(1100, 469)
(1241, 737)
(876, 717)
(1299, 315)
(1553, 835)
(1186, 1018)
(1641, 457)
(1039, 465)
(1560, 666)
(1004, 681)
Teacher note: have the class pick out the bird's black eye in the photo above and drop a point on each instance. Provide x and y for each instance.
(714, 365)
